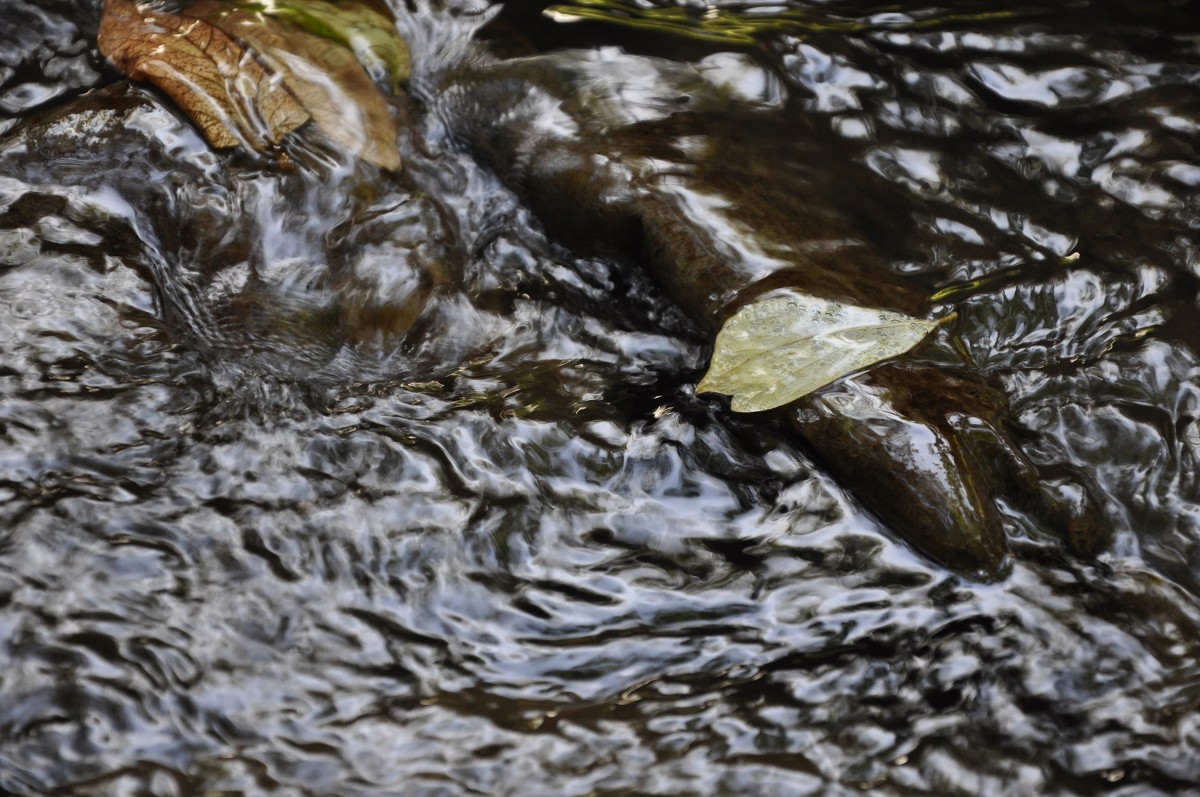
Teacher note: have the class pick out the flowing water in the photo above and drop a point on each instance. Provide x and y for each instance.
(322, 482)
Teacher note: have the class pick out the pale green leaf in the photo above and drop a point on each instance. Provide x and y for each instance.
(786, 345)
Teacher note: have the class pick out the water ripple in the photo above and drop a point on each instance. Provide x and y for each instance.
(311, 487)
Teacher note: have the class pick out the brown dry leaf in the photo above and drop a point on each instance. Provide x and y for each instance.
(225, 91)
(246, 79)
(323, 75)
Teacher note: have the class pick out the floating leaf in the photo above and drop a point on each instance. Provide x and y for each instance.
(368, 33)
(228, 94)
(247, 79)
(786, 345)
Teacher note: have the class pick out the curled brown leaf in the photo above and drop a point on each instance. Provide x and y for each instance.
(249, 80)
(323, 75)
(209, 76)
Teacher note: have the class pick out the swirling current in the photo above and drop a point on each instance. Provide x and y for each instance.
(318, 485)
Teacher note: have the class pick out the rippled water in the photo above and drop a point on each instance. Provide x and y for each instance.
(321, 482)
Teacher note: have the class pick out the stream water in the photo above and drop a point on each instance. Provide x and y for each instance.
(311, 485)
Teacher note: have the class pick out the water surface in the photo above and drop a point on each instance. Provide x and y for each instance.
(315, 484)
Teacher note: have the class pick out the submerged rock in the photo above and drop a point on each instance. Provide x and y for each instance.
(644, 159)
(244, 256)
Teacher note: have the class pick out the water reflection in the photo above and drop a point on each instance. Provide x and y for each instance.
(254, 541)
